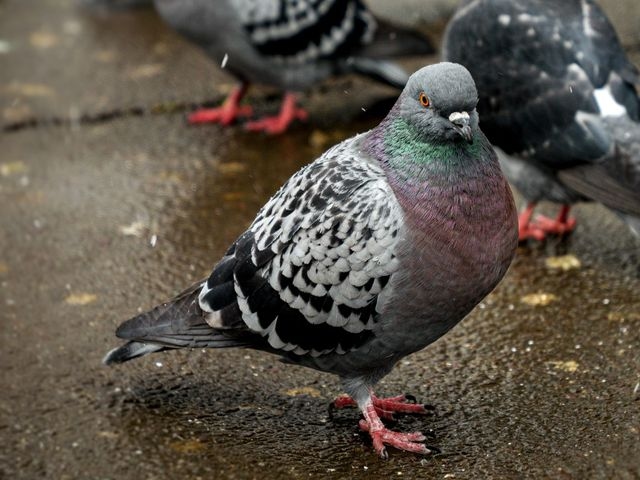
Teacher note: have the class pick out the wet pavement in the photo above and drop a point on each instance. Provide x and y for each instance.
(110, 203)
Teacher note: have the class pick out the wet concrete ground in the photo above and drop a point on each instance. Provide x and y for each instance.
(541, 381)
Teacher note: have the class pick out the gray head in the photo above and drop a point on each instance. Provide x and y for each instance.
(440, 102)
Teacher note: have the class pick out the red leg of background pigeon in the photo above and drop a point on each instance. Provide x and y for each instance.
(385, 407)
(278, 124)
(541, 226)
(381, 435)
(227, 113)
(562, 225)
(526, 229)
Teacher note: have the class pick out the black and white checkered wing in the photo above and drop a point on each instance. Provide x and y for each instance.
(300, 31)
(311, 273)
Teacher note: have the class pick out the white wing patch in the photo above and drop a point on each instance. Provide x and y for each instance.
(608, 105)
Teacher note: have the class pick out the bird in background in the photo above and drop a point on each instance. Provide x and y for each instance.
(364, 256)
(289, 44)
(558, 97)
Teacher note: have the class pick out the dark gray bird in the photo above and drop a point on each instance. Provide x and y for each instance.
(557, 96)
(289, 44)
(366, 255)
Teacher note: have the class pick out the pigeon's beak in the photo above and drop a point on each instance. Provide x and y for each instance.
(461, 121)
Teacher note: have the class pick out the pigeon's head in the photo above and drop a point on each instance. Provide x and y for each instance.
(440, 102)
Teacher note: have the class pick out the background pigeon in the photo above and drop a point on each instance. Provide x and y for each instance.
(557, 95)
(289, 44)
(366, 255)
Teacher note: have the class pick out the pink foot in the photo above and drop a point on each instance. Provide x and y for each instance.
(554, 226)
(386, 407)
(542, 226)
(381, 435)
(278, 124)
(225, 114)
(525, 230)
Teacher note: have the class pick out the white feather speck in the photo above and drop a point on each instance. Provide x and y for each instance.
(504, 20)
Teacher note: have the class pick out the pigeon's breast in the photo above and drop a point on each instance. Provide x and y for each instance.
(458, 244)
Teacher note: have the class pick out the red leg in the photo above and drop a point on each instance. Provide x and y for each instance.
(227, 113)
(525, 229)
(278, 124)
(386, 407)
(381, 435)
(562, 225)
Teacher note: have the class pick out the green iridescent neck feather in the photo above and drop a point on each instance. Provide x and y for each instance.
(405, 145)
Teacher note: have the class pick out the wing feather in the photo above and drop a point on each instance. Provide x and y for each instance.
(299, 31)
(308, 273)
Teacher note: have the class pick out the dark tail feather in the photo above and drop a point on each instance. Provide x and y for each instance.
(179, 323)
(391, 41)
(117, 4)
(129, 351)
(383, 71)
(632, 222)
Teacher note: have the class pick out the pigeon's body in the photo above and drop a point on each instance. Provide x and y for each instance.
(368, 254)
(557, 96)
(292, 45)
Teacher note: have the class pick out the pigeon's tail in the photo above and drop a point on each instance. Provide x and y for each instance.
(129, 351)
(383, 71)
(632, 222)
(372, 61)
(614, 179)
(391, 41)
(180, 323)
(117, 4)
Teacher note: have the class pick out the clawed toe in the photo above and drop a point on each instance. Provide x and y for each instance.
(409, 442)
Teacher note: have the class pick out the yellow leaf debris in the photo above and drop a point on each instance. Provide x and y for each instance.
(147, 70)
(568, 366)
(294, 392)
(81, 298)
(12, 168)
(539, 299)
(188, 446)
(563, 262)
(43, 40)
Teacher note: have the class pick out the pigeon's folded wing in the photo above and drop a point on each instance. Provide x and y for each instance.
(597, 183)
(312, 272)
(614, 180)
(303, 31)
(540, 71)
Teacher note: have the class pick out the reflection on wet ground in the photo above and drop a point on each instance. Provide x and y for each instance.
(102, 219)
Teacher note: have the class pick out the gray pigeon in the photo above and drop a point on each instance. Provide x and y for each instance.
(289, 44)
(368, 254)
(558, 97)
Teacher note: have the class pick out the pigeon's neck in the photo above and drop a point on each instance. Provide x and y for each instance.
(408, 158)
(448, 187)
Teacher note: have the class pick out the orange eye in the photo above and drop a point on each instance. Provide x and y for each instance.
(424, 100)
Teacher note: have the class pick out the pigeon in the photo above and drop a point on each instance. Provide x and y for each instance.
(291, 45)
(557, 100)
(366, 255)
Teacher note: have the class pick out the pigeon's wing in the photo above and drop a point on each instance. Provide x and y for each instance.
(301, 31)
(596, 182)
(615, 181)
(311, 273)
(537, 69)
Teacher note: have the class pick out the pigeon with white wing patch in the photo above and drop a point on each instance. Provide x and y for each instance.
(558, 98)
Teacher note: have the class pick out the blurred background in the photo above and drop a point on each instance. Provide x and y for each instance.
(110, 202)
